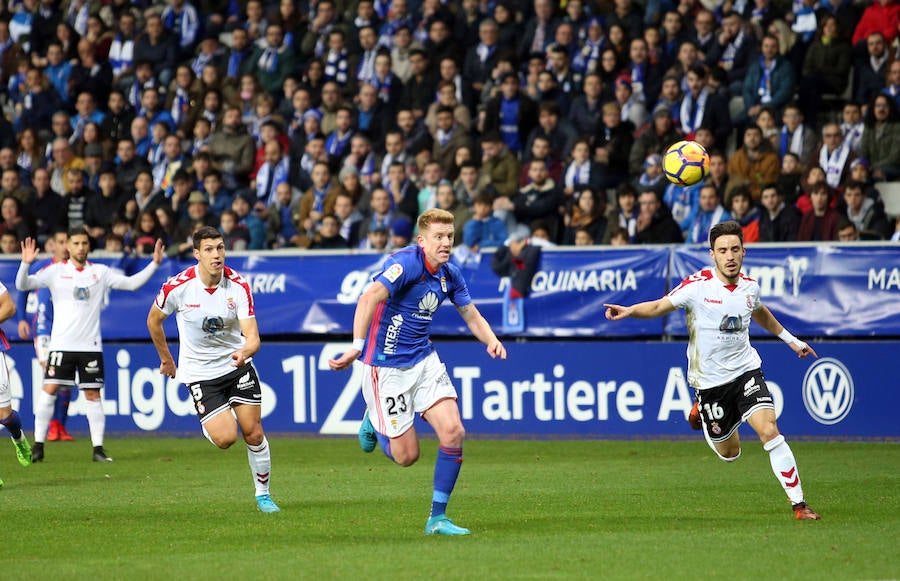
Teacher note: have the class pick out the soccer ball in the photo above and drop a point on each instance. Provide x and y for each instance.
(686, 163)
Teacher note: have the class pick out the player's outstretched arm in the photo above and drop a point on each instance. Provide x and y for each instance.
(362, 318)
(482, 331)
(765, 319)
(155, 320)
(645, 310)
(139, 279)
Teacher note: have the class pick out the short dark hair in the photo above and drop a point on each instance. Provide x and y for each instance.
(729, 228)
(855, 185)
(845, 222)
(205, 233)
(79, 231)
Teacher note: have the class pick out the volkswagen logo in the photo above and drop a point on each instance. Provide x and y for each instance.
(828, 391)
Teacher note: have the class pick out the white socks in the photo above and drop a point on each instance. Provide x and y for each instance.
(260, 465)
(785, 467)
(96, 421)
(43, 413)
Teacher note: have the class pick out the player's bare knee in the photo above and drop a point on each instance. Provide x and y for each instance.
(406, 459)
(768, 433)
(223, 441)
(454, 436)
(730, 454)
(255, 436)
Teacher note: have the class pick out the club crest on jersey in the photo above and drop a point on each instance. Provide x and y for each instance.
(714, 427)
(444, 283)
(393, 273)
(750, 302)
(229, 304)
(213, 325)
(81, 293)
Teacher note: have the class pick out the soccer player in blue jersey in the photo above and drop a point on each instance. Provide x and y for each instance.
(40, 307)
(403, 374)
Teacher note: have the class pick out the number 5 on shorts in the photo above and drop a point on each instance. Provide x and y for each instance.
(196, 392)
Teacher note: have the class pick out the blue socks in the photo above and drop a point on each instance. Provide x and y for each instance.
(13, 424)
(61, 407)
(385, 444)
(446, 471)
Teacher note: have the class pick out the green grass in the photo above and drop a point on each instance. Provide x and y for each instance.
(538, 509)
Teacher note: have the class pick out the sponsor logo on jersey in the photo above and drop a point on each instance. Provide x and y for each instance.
(393, 273)
(828, 391)
(713, 301)
(731, 324)
(427, 306)
(213, 325)
(392, 335)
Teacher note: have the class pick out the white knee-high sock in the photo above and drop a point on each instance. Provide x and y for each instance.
(43, 412)
(260, 465)
(785, 467)
(96, 421)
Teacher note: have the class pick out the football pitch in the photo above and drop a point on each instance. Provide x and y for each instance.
(180, 508)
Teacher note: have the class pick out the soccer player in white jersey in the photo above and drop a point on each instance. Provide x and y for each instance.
(218, 336)
(723, 367)
(9, 418)
(403, 374)
(77, 289)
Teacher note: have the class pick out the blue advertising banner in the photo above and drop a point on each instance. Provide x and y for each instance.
(314, 293)
(814, 290)
(544, 389)
(820, 290)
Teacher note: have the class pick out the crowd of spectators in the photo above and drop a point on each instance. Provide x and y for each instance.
(326, 124)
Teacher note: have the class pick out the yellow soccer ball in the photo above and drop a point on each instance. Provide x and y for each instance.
(686, 163)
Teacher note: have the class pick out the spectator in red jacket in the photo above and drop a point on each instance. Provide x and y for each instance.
(821, 222)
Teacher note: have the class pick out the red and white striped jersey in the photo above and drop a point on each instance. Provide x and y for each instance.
(208, 319)
(718, 321)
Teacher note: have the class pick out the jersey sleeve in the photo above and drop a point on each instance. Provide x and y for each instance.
(396, 273)
(3, 288)
(246, 309)
(682, 296)
(459, 290)
(167, 300)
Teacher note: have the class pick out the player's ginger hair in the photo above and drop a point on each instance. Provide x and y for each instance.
(433, 216)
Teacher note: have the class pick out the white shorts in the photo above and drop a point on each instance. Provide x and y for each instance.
(5, 389)
(394, 395)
